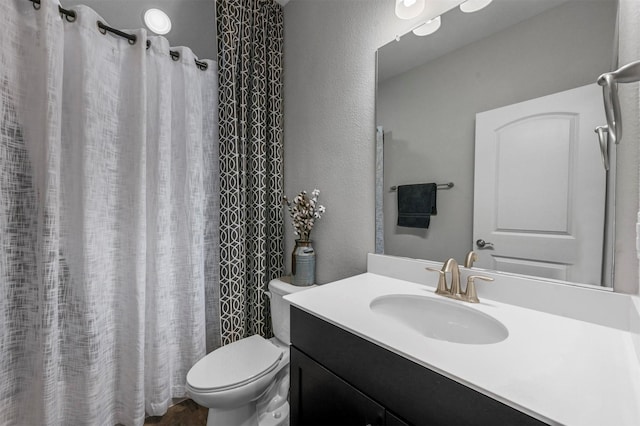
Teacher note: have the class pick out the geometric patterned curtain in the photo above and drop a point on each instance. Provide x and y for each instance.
(250, 50)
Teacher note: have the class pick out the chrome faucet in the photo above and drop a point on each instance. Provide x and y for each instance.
(443, 289)
(454, 291)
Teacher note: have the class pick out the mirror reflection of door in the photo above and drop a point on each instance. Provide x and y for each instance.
(540, 187)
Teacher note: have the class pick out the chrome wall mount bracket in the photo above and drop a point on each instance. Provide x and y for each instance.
(629, 73)
(612, 132)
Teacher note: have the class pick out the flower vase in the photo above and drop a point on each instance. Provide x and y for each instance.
(303, 263)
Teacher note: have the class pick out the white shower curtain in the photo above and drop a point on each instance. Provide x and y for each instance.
(108, 220)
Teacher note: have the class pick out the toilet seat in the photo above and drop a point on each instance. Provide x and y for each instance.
(235, 365)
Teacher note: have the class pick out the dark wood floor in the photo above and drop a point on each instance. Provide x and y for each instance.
(187, 413)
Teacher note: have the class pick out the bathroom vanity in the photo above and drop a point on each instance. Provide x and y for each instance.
(340, 378)
(352, 363)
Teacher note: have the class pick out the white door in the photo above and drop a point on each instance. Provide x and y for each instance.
(539, 191)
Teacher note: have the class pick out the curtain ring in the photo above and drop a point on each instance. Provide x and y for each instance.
(36, 4)
(148, 44)
(174, 55)
(131, 38)
(101, 28)
(69, 15)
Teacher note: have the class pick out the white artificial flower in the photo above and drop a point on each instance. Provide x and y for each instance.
(304, 211)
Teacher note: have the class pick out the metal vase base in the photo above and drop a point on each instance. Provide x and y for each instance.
(303, 263)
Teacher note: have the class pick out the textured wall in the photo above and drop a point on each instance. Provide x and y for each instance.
(193, 21)
(330, 130)
(626, 267)
(329, 85)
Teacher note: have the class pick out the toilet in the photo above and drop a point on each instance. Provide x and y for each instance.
(246, 383)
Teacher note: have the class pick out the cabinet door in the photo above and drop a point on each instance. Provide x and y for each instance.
(392, 420)
(319, 397)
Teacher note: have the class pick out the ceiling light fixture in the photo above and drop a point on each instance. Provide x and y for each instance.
(429, 27)
(157, 21)
(409, 9)
(474, 5)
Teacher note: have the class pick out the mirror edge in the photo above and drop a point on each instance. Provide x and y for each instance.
(379, 162)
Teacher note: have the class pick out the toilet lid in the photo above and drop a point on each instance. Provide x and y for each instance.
(235, 364)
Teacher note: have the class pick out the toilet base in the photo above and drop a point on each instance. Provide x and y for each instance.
(277, 417)
(270, 409)
(245, 415)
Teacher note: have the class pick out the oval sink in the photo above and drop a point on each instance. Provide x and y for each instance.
(441, 319)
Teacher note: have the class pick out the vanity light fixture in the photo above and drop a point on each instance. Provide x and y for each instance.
(409, 9)
(474, 5)
(157, 21)
(429, 27)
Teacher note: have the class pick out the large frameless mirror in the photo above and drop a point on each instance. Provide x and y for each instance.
(503, 103)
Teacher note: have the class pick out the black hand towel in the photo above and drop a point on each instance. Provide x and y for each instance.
(416, 204)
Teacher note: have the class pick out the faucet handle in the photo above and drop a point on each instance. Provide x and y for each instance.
(470, 294)
(442, 283)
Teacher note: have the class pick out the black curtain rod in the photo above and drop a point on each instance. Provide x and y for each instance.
(70, 16)
(132, 38)
(175, 55)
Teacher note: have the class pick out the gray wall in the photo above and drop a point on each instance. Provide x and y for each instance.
(329, 96)
(330, 131)
(193, 21)
(627, 188)
(431, 110)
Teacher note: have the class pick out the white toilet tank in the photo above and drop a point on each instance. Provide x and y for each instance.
(280, 320)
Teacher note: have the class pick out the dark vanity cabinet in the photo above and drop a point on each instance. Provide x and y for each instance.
(338, 378)
(325, 399)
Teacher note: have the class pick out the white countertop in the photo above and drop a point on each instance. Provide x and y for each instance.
(557, 369)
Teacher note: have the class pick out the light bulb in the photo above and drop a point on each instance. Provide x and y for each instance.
(474, 5)
(429, 27)
(409, 9)
(157, 21)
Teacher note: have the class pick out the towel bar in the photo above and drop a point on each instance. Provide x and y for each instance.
(439, 185)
